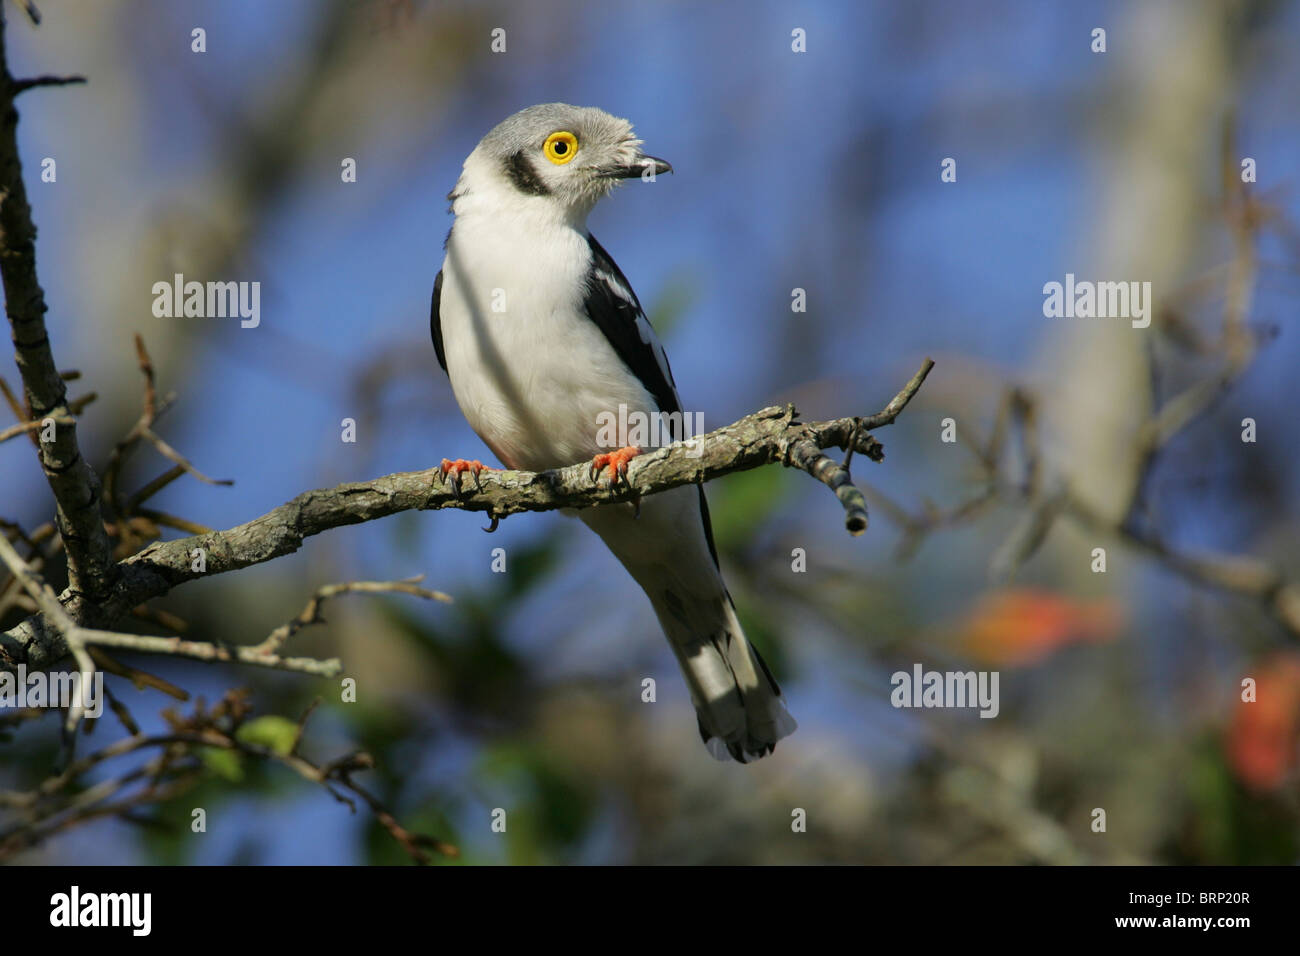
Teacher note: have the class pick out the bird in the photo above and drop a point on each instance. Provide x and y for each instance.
(540, 335)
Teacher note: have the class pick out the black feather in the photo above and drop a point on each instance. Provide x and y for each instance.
(523, 175)
(615, 309)
(435, 321)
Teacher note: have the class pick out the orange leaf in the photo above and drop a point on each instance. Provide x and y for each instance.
(1264, 737)
(1019, 627)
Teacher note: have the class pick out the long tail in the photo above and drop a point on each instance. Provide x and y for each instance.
(667, 549)
(738, 704)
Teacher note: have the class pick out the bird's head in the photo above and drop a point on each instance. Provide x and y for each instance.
(567, 156)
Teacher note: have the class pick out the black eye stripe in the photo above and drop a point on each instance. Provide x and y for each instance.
(522, 174)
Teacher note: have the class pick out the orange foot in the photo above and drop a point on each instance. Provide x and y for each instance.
(457, 468)
(616, 462)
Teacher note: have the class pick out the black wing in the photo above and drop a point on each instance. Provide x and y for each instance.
(435, 321)
(614, 307)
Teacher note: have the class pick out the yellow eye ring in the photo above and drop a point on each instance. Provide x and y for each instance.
(560, 147)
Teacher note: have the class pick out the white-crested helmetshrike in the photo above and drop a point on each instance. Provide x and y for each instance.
(543, 339)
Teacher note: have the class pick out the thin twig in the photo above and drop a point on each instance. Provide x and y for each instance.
(311, 613)
(25, 428)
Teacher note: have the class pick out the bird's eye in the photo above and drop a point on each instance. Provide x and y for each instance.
(560, 147)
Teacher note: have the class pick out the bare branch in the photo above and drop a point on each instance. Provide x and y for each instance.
(151, 409)
(153, 487)
(205, 651)
(53, 610)
(311, 613)
(74, 484)
(22, 86)
(170, 453)
(808, 456)
(899, 402)
(769, 436)
(26, 428)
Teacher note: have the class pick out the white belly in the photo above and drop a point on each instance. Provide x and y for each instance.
(531, 373)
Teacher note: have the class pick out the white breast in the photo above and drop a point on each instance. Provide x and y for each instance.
(531, 372)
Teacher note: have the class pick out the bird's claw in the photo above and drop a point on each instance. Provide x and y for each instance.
(616, 464)
(450, 471)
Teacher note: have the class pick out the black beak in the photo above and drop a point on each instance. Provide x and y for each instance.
(636, 169)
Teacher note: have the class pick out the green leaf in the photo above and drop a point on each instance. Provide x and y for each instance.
(223, 763)
(274, 732)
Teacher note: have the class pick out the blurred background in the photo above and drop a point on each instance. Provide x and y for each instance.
(817, 170)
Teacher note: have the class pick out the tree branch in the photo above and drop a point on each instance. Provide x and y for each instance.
(74, 484)
(768, 436)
